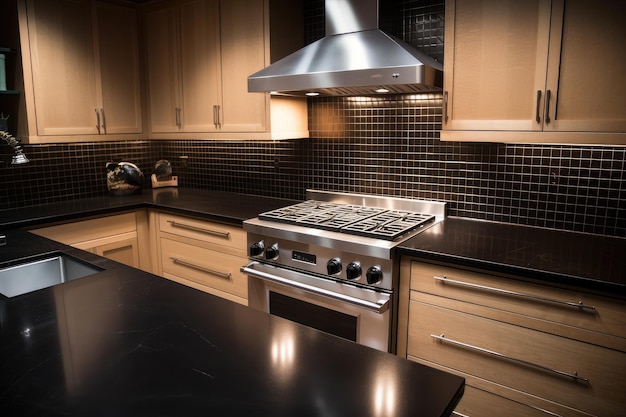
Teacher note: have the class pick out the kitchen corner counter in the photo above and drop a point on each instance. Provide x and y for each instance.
(124, 342)
(579, 260)
(214, 205)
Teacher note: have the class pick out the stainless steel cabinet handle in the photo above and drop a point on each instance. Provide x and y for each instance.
(103, 121)
(442, 338)
(456, 413)
(211, 232)
(445, 107)
(97, 120)
(537, 111)
(548, 95)
(178, 122)
(216, 116)
(220, 274)
(579, 304)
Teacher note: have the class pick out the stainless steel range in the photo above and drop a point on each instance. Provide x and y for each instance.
(328, 262)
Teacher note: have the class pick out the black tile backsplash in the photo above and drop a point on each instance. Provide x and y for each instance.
(385, 146)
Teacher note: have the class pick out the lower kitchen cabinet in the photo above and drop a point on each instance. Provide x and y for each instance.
(202, 254)
(524, 348)
(115, 237)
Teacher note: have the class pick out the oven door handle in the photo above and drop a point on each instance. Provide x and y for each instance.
(379, 307)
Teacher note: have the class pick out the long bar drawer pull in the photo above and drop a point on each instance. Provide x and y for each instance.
(579, 304)
(219, 233)
(456, 413)
(226, 275)
(442, 338)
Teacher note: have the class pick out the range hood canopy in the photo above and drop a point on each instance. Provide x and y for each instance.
(354, 58)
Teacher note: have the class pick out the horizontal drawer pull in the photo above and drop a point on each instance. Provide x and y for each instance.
(443, 339)
(578, 305)
(219, 233)
(456, 413)
(202, 268)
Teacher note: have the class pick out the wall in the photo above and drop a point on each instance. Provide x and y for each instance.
(385, 146)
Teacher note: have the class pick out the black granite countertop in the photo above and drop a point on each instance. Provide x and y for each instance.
(216, 205)
(571, 259)
(123, 342)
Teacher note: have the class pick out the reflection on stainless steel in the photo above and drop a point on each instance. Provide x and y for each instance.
(333, 256)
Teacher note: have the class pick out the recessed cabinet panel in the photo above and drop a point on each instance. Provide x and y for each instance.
(81, 70)
(587, 77)
(63, 66)
(118, 44)
(537, 71)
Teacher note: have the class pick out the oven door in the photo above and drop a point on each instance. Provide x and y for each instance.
(344, 310)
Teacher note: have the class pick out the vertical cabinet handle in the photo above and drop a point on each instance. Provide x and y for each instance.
(178, 122)
(548, 95)
(103, 121)
(97, 120)
(445, 107)
(538, 110)
(216, 116)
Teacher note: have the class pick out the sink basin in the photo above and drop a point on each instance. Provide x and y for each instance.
(41, 273)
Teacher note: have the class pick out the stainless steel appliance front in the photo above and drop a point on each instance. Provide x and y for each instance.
(344, 310)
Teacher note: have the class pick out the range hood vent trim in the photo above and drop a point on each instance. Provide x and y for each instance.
(351, 63)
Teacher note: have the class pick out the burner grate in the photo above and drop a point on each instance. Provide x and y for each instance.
(389, 225)
(375, 222)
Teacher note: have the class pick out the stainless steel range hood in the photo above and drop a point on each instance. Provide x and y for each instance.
(354, 58)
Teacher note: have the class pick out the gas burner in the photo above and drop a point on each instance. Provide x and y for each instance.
(375, 222)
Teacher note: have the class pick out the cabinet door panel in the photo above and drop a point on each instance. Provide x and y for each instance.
(496, 58)
(243, 53)
(199, 43)
(163, 61)
(119, 69)
(587, 66)
(63, 73)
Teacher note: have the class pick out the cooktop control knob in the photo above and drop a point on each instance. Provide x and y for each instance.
(271, 253)
(374, 274)
(334, 266)
(256, 249)
(353, 270)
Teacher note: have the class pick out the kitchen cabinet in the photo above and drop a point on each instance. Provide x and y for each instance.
(203, 255)
(544, 71)
(210, 48)
(531, 348)
(81, 70)
(115, 237)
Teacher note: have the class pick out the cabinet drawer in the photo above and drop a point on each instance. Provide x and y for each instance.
(209, 232)
(531, 300)
(90, 230)
(476, 402)
(605, 368)
(204, 266)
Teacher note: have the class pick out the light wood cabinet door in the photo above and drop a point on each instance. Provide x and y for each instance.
(243, 52)
(495, 62)
(163, 66)
(120, 92)
(81, 69)
(538, 71)
(61, 43)
(587, 66)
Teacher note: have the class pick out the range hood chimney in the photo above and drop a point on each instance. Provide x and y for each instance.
(354, 58)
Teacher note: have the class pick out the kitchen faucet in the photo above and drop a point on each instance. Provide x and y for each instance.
(19, 157)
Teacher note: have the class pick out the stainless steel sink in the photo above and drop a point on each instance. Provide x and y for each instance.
(41, 273)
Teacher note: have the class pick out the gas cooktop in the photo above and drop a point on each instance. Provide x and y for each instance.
(374, 222)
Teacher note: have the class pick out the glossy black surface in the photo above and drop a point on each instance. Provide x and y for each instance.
(572, 259)
(221, 206)
(127, 343)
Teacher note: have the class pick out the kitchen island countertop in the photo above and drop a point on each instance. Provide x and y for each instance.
(124, 342)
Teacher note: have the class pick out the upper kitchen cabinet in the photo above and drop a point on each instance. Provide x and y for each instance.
(535, 71)
(81, 70)
(199, 54)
